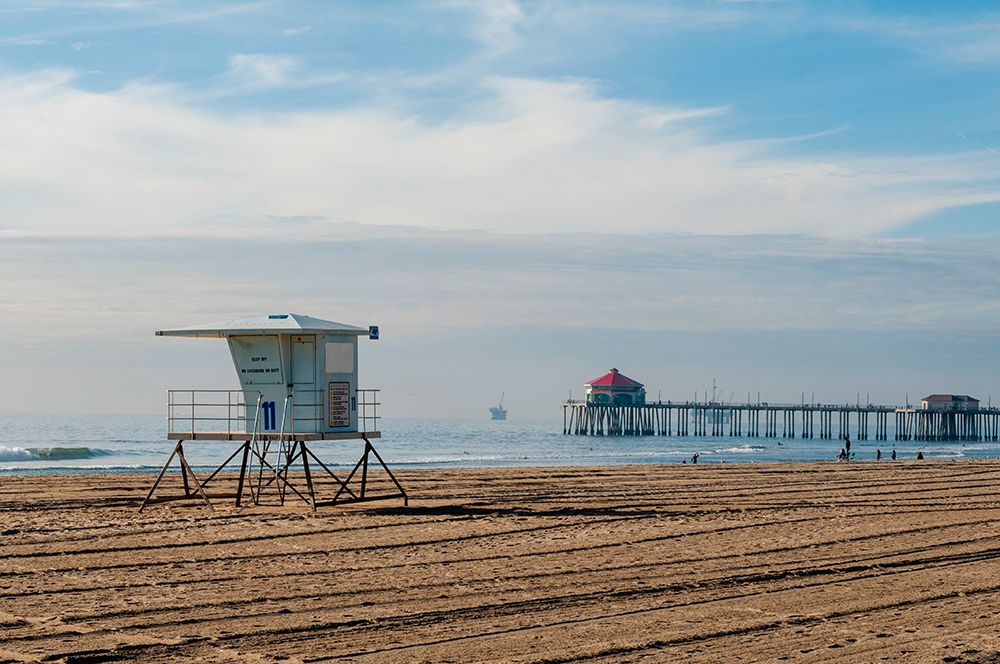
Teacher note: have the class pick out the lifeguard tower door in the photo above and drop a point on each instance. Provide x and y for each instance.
(307, 399)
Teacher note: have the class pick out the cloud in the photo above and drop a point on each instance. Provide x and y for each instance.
(657, 118)
(94, 289)
(966, 37)
(27, 41)
(478, 308)
(295, 32)
(495, 23)
(100, 17)
(262, 70)
(256, 74)
(957, 35)
(535, 156)
(578, 17)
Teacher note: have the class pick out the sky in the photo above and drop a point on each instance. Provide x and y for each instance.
(797, 199)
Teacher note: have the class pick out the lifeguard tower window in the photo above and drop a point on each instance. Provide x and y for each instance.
(339, 357)
(298, 380)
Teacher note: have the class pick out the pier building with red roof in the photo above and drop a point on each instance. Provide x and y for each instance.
(616, 389)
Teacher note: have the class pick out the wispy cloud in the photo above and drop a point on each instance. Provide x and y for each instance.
(495, 23)
(677, 15)
(296, 31)
(258, 69)
(768, 313)
(657, 118)
(111, 17)
(539, 156)
(254, 73)
(988, 148)
(957, 37)
(805, 137)
(26, 41)
(427, 281)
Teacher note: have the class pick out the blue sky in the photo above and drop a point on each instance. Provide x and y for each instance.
(898, 75)
(611, 178)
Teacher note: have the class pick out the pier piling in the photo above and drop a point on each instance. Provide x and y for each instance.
(709, 418)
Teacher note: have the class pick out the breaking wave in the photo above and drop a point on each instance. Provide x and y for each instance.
(49, 453)
(743, 449)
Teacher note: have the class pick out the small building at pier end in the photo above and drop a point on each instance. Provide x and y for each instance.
(615, 389)
(947, 403)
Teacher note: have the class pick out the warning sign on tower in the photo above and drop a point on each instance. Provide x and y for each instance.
(340, 404)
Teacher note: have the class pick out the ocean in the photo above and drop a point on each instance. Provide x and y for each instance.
(59, 443)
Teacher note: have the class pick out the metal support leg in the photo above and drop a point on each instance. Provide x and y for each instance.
(186, 470)
(364, 468)
(309, 480)
(197, 484)
(362, 465)
(406, 499)
(159, 477)
(243, 472)
(184, 476)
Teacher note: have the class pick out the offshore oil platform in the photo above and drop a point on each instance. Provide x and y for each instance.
(498, 412)
(616, 405)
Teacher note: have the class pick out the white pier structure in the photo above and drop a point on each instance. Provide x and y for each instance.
(298, 385)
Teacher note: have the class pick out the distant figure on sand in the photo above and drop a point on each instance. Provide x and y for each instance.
(847, 445)
(842, 456)
(878, 454)
(920, 456)
(694, 458)
(894, 454)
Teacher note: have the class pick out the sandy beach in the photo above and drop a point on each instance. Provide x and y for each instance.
(736, 562)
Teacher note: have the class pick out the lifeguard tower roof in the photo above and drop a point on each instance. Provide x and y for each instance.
(269, 324)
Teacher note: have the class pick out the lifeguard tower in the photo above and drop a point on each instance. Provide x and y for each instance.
(298, 386)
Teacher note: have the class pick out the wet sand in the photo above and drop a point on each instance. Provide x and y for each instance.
(727, 563)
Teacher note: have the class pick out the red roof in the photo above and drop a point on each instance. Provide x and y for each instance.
(947, 398)
(616, 379)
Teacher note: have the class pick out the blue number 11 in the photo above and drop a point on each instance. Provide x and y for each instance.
(270, 415)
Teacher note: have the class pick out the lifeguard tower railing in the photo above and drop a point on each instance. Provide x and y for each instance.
(237, 414)
(273, 444)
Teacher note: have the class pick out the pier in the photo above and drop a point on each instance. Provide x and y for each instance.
(766, 420)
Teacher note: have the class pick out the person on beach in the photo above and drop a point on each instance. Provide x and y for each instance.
(878, 454)
(694, 458)
(842, 456)
(847, 444)
(894, 454)
(920, 456)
